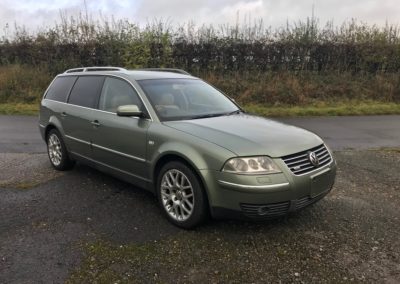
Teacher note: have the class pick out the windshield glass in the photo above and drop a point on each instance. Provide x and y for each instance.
(181, 99)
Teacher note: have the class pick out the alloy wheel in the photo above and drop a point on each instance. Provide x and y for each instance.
(54, 148)
(177, 195)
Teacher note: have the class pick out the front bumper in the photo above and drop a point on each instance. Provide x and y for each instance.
(266, 211)
(268, 196)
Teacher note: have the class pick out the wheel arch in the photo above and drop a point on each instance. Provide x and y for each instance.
(48, 129)
(54, 123)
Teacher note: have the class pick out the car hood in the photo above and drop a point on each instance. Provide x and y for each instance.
(249, 135)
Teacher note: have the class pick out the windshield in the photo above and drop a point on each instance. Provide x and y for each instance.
(181, 99)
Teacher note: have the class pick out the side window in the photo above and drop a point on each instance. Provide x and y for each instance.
(86, 91)
(117, 92)
(60, 88)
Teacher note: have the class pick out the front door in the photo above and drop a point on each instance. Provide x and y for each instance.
(120, 142)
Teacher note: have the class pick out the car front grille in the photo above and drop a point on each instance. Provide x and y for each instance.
(299, 163)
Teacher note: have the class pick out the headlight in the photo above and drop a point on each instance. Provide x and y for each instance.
(251, 165)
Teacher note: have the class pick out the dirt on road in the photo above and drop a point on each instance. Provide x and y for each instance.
(83, 226)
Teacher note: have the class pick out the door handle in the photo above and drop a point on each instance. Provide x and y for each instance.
(95, 123)
(63, 114)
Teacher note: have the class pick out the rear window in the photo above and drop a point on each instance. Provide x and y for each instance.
(86, 91)
(60, 88)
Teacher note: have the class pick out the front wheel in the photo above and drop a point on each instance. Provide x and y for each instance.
(181, 195)
(57, 151)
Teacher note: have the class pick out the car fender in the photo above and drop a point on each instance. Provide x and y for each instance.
(55, 122)
(198, 157)
(182, 150)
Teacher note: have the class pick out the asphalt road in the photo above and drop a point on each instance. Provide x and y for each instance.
(20, 134)
(353, 132)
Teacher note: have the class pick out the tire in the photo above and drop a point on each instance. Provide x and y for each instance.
(58, 154)
(181, 195)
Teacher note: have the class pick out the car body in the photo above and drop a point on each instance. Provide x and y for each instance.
(235, 165)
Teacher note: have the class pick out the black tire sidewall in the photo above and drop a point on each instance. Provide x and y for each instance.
(65, 163)
(200, 200)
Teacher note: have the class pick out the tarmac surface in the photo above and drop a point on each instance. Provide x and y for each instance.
(20, 134)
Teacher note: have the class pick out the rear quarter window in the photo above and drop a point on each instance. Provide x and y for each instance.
(60, 88)
(86, 91)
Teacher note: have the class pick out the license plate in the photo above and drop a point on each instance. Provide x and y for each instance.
(320, 182)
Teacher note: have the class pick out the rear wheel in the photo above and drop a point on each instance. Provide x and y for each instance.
(57, 151)
(181, 195)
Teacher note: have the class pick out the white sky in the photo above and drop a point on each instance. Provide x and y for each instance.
(34, 13)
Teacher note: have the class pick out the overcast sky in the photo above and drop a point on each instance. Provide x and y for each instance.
(33, 13)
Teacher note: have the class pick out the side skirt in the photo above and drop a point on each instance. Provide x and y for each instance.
(120, 174)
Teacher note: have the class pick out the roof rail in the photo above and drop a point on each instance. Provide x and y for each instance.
(95, 68)
(173, 70)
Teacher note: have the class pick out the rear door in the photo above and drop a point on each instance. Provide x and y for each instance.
(120, 142)
(78, 118)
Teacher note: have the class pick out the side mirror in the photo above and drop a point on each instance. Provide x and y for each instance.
(129, 110)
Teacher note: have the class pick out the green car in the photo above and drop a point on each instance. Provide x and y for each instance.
(180, 138)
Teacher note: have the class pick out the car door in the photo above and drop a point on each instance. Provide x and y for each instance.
(77, 118)
(120, 142)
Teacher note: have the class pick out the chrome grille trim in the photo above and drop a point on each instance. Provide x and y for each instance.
(299, 163)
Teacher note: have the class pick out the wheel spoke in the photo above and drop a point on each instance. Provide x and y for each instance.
(172, 178)
(185, 209)
(168, 181)
(166, 195)
(166, 184)
(182, 182)
(186, 196)
(176, 211)
(190, 205)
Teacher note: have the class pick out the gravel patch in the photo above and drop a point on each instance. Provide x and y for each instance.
(24, 171)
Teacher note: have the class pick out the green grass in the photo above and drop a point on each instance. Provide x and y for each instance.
(20, 109)
(318, 109)
(388, 149)
(324, 109)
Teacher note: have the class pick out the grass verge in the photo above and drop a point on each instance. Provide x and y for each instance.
(325, 109)
(387, 149)
(317, 109)
(20, 109)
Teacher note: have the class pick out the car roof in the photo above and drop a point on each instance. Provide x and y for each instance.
(145, 75)
(132, 74)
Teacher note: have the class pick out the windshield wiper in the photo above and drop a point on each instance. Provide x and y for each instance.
(216, 114)
(234, 112)
(207, 115)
